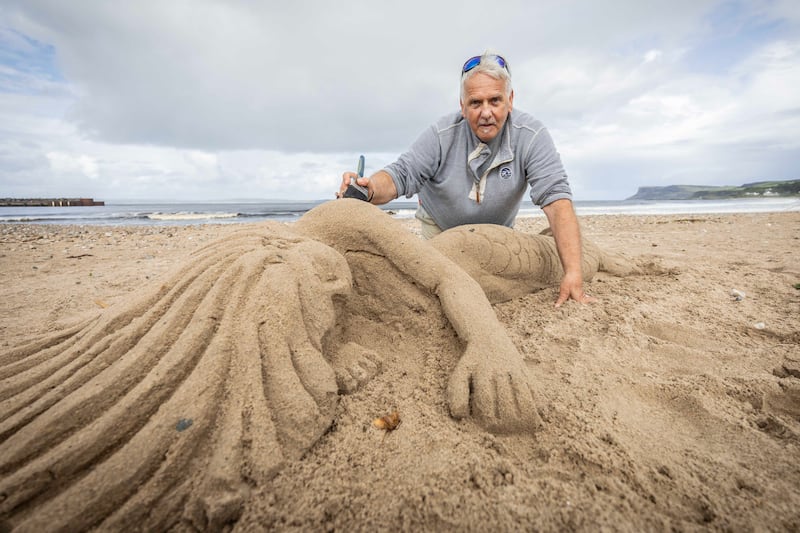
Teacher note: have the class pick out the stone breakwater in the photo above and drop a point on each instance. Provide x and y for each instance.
(49, 202)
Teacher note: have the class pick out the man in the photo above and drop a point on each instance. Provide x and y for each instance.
(474, 167)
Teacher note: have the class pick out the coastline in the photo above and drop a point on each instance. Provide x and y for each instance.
(668, 404)
(177, 214)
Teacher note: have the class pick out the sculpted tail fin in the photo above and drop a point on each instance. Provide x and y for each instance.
(617, 265)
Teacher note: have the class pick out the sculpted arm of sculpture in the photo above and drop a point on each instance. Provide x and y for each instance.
(380, 186)
(490, 382)
(567, 235)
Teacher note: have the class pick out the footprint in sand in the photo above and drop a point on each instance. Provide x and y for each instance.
(781, 402)
(679, 348)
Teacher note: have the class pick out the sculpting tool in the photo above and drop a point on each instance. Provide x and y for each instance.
(354, 190)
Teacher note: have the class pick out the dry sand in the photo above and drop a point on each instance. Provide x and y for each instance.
(668, 404)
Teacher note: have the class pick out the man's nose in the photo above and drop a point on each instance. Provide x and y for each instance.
(486, 110)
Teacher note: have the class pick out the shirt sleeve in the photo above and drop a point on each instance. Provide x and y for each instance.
(545, 172)
(416, 166)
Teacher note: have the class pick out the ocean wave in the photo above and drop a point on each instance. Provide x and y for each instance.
(63, 218)
(401, 213)
(291, 213)
(225, 213)
(22, 219)
(190, 216)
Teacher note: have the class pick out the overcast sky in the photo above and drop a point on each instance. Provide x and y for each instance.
(232, 99)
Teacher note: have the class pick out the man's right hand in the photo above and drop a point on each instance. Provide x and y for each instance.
(346, 180)
(380, 186)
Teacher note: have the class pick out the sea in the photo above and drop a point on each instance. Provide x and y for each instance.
(122, 213)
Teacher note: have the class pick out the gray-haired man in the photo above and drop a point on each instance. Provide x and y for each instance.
(474, 167)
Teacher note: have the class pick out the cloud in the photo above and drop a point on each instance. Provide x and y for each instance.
(652, 55)
(233, 99)
(308, 76)
(70, 164)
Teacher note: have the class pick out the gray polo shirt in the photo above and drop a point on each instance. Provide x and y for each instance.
(443, 163)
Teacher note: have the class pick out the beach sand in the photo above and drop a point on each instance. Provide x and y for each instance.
(669, 404)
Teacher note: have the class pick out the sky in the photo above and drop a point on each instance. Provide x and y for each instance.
(208, 100)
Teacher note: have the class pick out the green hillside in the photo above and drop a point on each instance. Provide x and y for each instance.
(759, 189)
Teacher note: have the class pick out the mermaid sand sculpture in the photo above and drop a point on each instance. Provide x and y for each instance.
(227, 368)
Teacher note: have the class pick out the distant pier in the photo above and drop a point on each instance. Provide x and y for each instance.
(48, 202)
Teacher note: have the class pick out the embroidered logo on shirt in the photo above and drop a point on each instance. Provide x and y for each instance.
(505, 172)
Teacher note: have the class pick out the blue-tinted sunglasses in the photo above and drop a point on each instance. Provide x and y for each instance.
(473, 62)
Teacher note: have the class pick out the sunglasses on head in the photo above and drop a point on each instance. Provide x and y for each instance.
(473, 62)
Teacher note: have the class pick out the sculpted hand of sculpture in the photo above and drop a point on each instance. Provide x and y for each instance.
(491, 383)
(221, 370)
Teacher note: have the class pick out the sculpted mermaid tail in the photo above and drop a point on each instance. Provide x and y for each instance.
(508, 264)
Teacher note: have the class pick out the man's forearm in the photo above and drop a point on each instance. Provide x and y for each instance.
(566, 233)
(382, 187)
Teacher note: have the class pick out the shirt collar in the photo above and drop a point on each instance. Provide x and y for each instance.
(478, 151)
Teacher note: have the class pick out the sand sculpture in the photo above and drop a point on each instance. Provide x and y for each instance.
(508, 264)
(229, 366)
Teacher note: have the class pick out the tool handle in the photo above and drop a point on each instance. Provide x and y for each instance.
(361, 166)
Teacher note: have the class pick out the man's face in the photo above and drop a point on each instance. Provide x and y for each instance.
(485, 105)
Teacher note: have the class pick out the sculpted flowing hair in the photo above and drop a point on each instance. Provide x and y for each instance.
(489, 67)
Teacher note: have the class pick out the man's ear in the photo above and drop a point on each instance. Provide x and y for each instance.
(511, 100)
(461, 105)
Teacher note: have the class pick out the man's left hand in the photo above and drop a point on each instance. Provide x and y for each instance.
(572, 287)
(567, 235)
